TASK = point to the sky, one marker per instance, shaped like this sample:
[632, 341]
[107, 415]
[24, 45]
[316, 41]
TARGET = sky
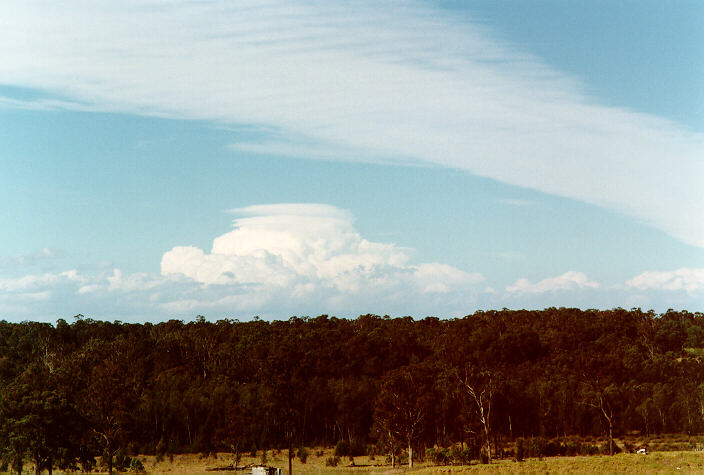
[165, 160]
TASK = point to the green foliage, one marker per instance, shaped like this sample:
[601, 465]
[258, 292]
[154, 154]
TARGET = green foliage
[438, 455]
[72, 391]
[332, 461]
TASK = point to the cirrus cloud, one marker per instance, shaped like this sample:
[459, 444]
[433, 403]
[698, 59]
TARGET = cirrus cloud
[394, 82]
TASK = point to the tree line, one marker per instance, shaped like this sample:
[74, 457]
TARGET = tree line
[71, 392]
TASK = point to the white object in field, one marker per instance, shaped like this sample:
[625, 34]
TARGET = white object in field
[264, 470]
[642, 452]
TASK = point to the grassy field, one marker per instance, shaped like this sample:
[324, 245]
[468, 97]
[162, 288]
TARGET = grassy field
[659, 462]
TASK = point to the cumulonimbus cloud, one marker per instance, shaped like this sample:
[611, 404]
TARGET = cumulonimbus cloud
[308, 249]
[398, 81]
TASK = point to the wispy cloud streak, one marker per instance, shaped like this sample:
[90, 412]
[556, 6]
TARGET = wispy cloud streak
[402, 82]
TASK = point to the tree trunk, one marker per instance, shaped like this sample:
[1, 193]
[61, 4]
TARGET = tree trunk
[290, 460]
[410, 456]
[611, 438]
[488, 441]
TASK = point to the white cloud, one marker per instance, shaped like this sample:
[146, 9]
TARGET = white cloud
[306, 250]
[30, 283]
[688, 280]
[279, 260]
[41, 256]
[569, 281]
[393, 82]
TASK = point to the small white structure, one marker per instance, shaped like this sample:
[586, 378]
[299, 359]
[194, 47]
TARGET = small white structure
[264, 470]
[642, 451]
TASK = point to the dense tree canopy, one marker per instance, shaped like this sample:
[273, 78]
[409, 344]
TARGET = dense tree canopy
[237, 386]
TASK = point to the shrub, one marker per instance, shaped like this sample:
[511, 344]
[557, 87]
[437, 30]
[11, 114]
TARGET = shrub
[264, 459]
[605, 448]
[319, 453]
[302, 454]
[460, 456]
[161, 447]
[554, 448]
[439, 456]
[572, 448]
[353, 448]
[357, 448]
[483, 457]
[136, 465]
[520, 449]
[536, 447]
[121, 462]
[332, 461]
[342, 448]
[588, 449]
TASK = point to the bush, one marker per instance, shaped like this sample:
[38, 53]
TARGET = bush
[520, 449]
[536, 447]
[460, 456]
[121, 462]
[439, 456]
[342, 448]
[136, 465]
[588, 449]
[572, 448]
[605, 448]
[332, 461]
[483, 457]
[161, 447]
[354, 448]
[554, 448]
[357, 448]
[302, 454]
[264, 458]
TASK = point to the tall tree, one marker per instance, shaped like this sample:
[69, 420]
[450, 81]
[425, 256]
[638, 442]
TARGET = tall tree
[404, 405]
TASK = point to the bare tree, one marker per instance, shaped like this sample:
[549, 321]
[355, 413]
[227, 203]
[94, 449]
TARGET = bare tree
[480, 388]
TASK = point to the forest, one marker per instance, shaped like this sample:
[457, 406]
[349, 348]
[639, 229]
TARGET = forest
[401, 387]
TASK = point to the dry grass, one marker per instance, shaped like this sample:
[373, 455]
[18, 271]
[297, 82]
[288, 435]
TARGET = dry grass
[659, 462]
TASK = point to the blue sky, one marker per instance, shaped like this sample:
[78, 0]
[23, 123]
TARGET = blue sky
[163, 161]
